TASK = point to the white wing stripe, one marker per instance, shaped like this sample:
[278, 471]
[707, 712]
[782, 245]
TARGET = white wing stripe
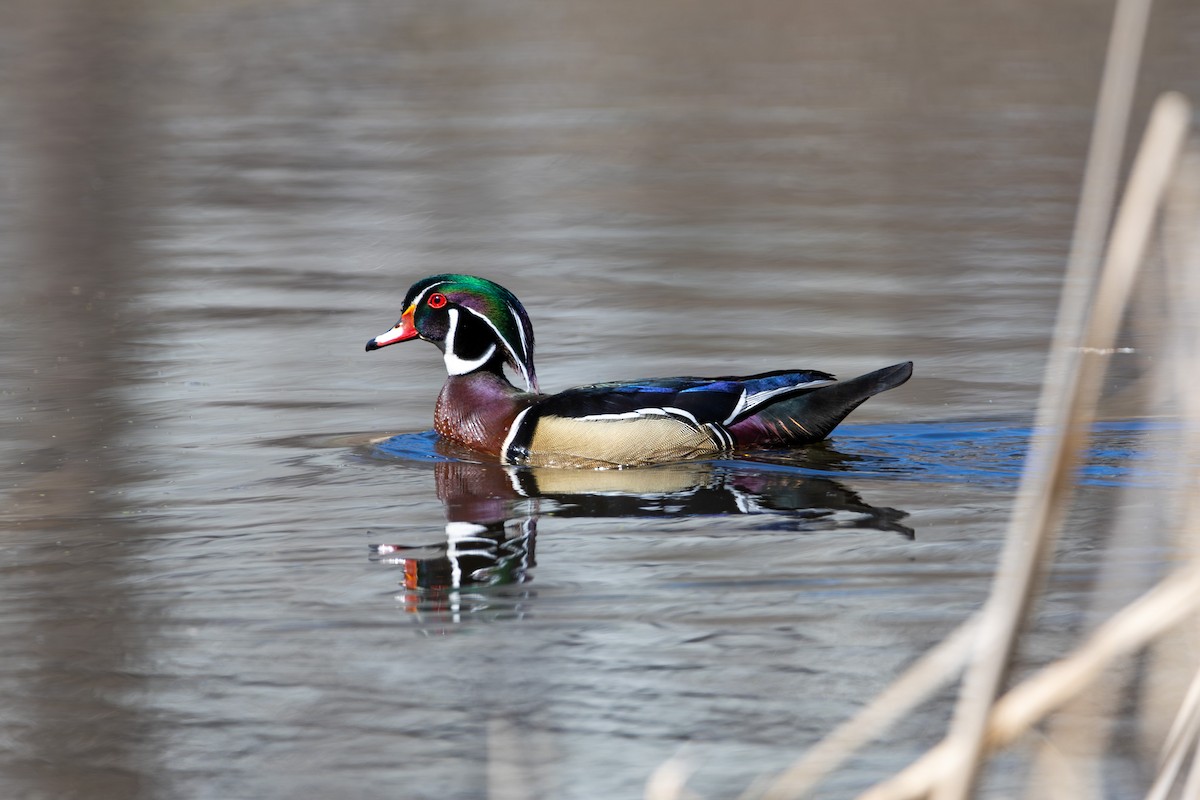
[749, 401]
[645, 412]
[685, 417]
[512, 434]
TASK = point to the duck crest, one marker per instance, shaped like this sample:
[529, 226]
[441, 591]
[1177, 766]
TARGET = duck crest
[481, 314]
[481, 327]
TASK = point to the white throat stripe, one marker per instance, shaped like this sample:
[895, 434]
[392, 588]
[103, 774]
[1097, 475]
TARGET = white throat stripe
[456, 365]
[519, 360]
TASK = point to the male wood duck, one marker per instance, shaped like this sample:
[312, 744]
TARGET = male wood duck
[480, 326]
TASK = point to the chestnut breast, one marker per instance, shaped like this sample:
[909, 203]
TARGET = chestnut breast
[477, 410]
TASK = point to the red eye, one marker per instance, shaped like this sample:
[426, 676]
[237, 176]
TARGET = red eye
[436, 300]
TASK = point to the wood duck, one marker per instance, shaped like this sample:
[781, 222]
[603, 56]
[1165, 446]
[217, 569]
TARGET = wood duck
[480, 327]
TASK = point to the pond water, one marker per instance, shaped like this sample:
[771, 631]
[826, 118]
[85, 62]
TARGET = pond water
[237, 564]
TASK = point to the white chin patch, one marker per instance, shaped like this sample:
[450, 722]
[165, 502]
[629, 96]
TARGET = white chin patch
[461, 366]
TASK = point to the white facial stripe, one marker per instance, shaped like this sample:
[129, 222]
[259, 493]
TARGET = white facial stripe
[524, 346]
[461, 366]
[517, 359]
[458, 366]
[394, 335]
[520, 329]
[417, 300]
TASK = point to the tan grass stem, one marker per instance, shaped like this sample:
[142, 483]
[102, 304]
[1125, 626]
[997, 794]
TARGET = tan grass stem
[933, 670]
[1048, 480]
[1166, 605]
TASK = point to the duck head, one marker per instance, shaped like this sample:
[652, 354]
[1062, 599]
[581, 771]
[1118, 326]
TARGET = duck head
[477, 324]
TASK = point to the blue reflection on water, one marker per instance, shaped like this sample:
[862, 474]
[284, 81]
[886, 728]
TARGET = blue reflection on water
[991, 452]
[963, 452]
[414, 447]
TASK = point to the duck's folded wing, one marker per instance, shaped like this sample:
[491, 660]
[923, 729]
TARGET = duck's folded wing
[721, 400]
[646, 421]
[810, 416]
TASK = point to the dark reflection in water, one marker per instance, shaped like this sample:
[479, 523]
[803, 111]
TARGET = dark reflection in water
[492, 510]
[492, 513]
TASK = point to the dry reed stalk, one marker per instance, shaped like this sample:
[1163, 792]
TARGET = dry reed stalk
[1047, 481]
[957, 759]
[1181, 742]
[1174, 659]
[1076, 738]
[1168, 317]
[931, 672]
[1073, 747]
[669, 781]
[1065, 415]
[1168, 604]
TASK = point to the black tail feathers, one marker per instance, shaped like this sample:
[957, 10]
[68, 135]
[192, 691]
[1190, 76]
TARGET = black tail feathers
[810, 417]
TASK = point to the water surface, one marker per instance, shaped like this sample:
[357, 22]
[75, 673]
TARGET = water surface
[207, 209]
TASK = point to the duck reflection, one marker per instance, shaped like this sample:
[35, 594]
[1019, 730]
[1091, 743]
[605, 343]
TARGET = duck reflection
[492, 513]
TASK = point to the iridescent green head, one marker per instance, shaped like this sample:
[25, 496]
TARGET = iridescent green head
[476, 323]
